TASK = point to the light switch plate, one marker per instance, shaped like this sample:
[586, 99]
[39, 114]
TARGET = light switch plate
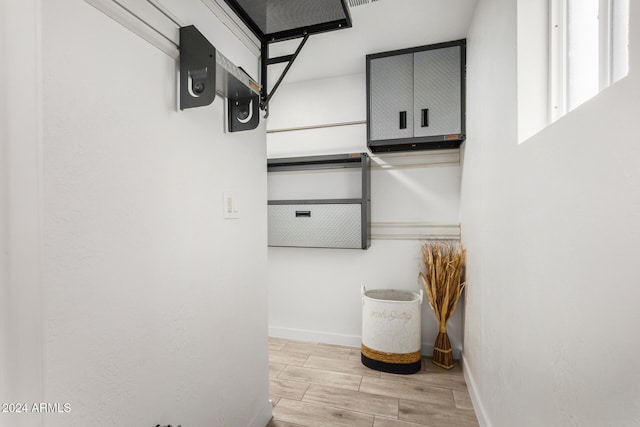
[230, 205]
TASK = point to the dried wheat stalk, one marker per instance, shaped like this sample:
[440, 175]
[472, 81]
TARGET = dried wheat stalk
[442, 282]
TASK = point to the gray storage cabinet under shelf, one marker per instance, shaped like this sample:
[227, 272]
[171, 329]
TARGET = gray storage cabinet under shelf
[415, 98]
[322, 223]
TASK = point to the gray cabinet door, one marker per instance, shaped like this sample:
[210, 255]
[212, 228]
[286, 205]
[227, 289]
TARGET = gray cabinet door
[391, 93]
[316, 226]
[437, 92]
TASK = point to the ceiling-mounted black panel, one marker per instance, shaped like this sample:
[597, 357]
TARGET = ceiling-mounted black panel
[277, 20]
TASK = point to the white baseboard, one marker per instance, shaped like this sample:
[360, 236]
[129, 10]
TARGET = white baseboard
[337, 339]
[263, 417]
[481, 413]
[315, 336]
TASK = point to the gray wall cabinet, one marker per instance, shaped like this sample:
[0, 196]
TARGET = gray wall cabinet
[321, 223]
[415, 98]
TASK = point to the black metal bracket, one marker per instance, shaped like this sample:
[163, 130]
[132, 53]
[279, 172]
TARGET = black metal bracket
[266, 61]
[243, 113]
[201, 76]
[197, 69]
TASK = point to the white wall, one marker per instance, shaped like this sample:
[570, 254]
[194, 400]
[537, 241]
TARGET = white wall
[4, 305]
[21, 218]
[533, 67]
[551, 231]
[149, 314]
[314, 294]
[316, 103]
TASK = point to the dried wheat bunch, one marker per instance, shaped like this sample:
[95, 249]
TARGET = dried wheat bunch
[442, 282]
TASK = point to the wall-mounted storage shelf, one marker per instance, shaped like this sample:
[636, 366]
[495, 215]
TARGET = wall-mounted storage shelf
[416, 98]
[341, 222]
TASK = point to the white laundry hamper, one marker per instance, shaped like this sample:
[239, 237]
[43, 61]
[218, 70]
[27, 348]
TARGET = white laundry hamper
[391, 330]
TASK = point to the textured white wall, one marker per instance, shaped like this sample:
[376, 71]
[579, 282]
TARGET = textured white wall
[314, 294]
[149, 314]
[551, 227]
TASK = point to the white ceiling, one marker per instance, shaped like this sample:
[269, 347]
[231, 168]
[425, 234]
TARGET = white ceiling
[377, 27]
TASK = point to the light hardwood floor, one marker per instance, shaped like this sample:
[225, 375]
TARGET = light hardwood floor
[313, 385]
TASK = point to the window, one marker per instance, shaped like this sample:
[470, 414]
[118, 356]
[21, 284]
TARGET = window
[588, 50]
[568, 51]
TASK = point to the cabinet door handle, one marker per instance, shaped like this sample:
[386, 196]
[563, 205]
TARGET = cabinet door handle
[425, 118]
[303, 214]
[403, 119]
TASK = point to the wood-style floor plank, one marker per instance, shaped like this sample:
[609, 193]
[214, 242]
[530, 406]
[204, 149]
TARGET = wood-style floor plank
[319, 376]
[408, 390]
[355, 354]
[289, 389]
[275, 369]
[345, 366]
[280, 423]
[438, 379]
[310, 415]
[462, 399]
[386, 422]
[275, 345]
[315, 349]
[352, 400]
[435, 415]
[287, 357]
